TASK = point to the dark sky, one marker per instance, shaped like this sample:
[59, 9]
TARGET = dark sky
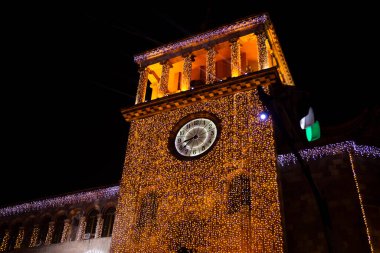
[69, 69]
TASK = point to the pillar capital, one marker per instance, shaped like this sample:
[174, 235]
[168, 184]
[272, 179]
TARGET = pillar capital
[166, 63]
[189, 56]
[233, 40]
[260, 29]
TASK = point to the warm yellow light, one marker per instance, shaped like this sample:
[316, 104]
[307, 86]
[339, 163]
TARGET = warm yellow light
[192, 196]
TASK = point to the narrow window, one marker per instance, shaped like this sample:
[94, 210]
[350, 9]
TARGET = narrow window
[109, 218]
[148, 210]
[91, 223]
[239, 193]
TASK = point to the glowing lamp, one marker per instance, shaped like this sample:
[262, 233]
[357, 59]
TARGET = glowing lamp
[313, 132]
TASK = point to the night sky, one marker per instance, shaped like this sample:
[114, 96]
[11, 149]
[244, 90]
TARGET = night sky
[69, 70]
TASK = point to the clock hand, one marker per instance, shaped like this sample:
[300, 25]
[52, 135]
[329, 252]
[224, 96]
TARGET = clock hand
[190, 138]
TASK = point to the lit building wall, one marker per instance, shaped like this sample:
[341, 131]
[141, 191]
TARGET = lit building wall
[347, 176]
[192, 196]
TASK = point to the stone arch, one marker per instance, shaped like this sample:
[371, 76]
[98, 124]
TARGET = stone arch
[93, 206]
[107, 205]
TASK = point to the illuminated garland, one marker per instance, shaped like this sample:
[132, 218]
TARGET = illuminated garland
[99, 226]
[66, 229]
[34, 237]
[327, 150]
[4, 243]
[82, 197]
[141, 88]
[235, 59]
[208, 36]
[164, 81]
[20, 238]
[81, 228]
[360, 200]
[210, 66]
[262, 50]
[186, 78]
[49, 235]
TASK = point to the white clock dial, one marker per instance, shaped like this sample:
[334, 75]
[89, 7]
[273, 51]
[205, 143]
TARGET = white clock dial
[195, 137]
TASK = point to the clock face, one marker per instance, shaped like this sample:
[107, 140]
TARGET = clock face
[195, 136]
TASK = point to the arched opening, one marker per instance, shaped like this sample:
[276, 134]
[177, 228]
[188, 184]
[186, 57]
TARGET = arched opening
[148, 210]
[28, 231]
[44, 228]
[109, 217]
[58, 231]
[239, 193]
[91, 223]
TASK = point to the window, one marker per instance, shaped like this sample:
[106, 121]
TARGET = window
[148, 210]
[28, 231]
[239, 193]
[58, 230]
[44, 227]
[109, 218]
[91, 223]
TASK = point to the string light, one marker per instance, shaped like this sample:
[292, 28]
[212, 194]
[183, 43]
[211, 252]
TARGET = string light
[262, 49]
[192, 195]
[141, 88]
[70, 199]
[164, 81]
[34, 237]
[210, 65]
[49, 235]
[20, 238]
[5, 242]
[208, 36]
[66, 229]
[328, 150]
[235, 58]
[360, 200]
[186, 78]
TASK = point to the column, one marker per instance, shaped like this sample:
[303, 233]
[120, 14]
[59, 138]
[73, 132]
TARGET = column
[164, 81]
[186, 77]
[66, 230]
[33, 239]
[4, 243]
[49, 235]
[262, 48]
[235, 58]
[99, 226]
[141, 88]
[20, 237]
[210, 65]
[81, 228]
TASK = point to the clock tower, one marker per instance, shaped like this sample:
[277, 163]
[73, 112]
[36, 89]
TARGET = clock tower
[200, 171]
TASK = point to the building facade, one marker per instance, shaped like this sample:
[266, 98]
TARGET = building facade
[204, 173]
